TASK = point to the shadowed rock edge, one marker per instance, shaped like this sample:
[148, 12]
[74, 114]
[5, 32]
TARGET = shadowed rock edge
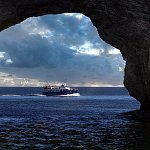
[123, 24]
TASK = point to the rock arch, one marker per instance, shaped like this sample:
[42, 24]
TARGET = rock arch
[123, 24]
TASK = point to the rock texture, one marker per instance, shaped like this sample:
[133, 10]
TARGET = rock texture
[125, 24]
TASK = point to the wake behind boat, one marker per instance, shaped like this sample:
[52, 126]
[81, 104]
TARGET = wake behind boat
[60, 91]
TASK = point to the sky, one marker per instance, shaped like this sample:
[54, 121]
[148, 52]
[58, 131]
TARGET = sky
[53, 49]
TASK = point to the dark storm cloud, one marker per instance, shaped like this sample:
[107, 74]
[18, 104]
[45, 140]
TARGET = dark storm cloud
[50, 45]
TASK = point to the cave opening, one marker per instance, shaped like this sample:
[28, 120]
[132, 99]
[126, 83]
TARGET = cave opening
[118, 24]
[125, 25]
[56, 49]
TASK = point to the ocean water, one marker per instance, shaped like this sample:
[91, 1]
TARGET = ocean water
[92, 121]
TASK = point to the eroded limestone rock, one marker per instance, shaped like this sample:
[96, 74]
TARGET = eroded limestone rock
[125, 24]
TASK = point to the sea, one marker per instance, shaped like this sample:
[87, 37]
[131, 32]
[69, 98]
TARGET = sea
[94, 120]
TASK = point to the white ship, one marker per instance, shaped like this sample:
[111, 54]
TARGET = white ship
[60, 91]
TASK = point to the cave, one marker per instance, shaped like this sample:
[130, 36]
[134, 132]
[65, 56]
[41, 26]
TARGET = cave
[123, 24]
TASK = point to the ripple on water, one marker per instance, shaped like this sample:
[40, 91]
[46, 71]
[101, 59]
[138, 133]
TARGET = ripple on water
[77, 124]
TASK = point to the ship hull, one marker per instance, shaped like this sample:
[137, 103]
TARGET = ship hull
[58, 93]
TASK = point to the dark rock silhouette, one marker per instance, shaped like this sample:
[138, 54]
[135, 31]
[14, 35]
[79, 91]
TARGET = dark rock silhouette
[123, 24]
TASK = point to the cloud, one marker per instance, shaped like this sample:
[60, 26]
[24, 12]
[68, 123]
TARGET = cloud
[60, 48]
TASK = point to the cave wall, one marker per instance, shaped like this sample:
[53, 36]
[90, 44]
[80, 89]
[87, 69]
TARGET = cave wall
[125, 24]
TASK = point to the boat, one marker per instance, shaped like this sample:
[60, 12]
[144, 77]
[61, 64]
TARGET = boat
[60, 91]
